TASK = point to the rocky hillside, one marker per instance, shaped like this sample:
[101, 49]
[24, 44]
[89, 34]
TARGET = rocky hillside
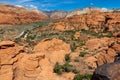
[16, 15]
[95, 21]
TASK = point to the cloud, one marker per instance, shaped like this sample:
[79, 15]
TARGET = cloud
[23, 1]
[46, 6]
[31, 6]
[19, 5]
[91, 3]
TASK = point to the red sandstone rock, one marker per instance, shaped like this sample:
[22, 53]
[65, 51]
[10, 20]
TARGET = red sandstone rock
[18, 65]
[102, 51]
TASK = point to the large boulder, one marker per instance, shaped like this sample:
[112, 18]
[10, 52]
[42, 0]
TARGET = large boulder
[109, 71]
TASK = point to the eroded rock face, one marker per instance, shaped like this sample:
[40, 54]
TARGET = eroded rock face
[8, 56]
[56, 49]
[5, 44]
[16, 15]
[95, 44]
[109, 71]
[102, 51]
[16, 64]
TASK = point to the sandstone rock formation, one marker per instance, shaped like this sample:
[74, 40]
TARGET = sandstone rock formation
[95, 21]
[16, 15]
[8, 56]
[16, 64]
[102, 51]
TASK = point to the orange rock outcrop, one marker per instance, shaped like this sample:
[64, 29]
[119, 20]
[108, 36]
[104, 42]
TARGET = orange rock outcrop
[16, 64]
[102, 51]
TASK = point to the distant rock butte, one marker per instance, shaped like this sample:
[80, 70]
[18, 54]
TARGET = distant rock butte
[16, 15]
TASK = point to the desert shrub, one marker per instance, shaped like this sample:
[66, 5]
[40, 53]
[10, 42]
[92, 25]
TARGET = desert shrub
[31, 37]
[58, 68]
[67, 67]
[76, 60]
[83, 77]
[82, 54]
[73, 47]
[75, 71]
[105, 29]
[85, 48]
[69, 32]
[67, 57]
[110, 34]
[100, 35]
[82, 43]
[2, 31]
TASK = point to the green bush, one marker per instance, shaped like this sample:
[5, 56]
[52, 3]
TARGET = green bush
[83, 77]
[58, 68]
[67, 67]
[82, 54]
[73, 47]
[110, 34]
[75, 71]
[76, 60]
[100, 35]
[67, 57]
